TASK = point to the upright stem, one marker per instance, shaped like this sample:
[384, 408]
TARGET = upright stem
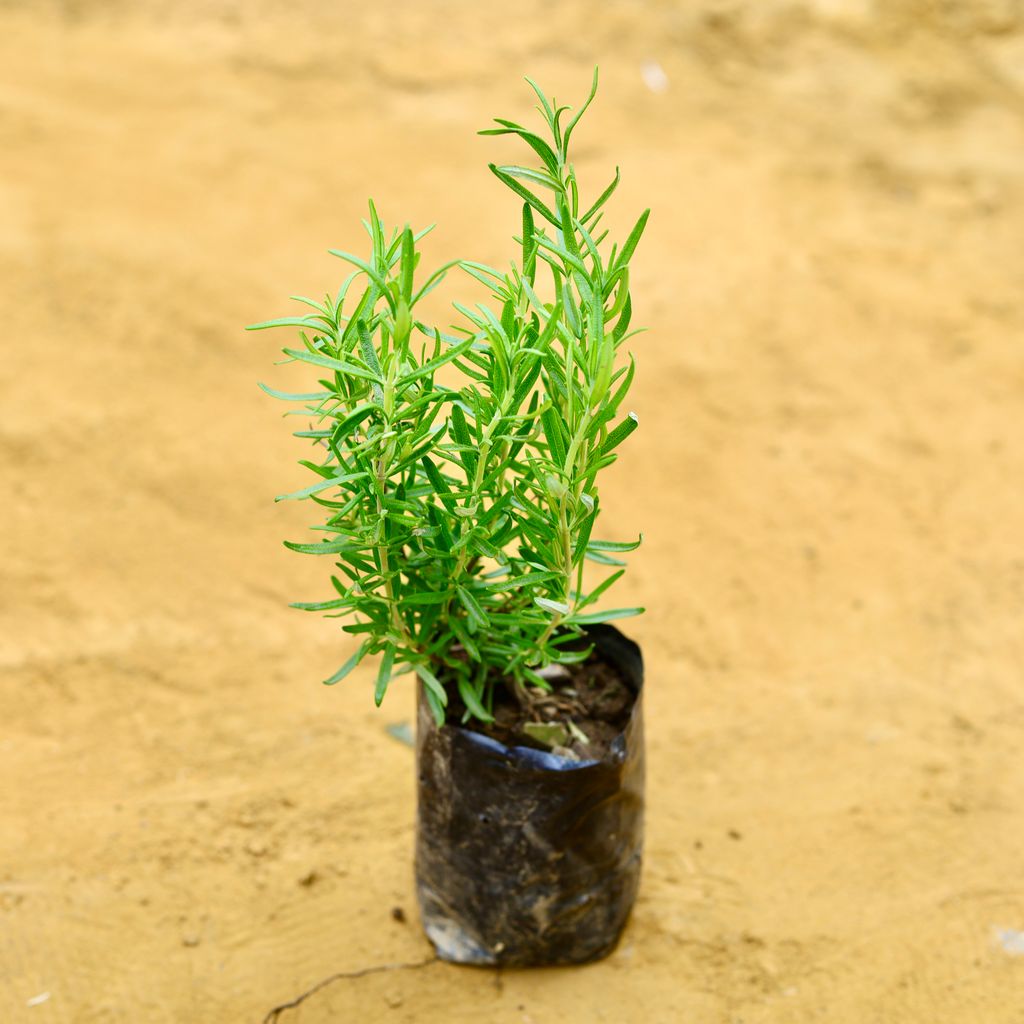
[380, 470]
[563, 522]
[478, 478]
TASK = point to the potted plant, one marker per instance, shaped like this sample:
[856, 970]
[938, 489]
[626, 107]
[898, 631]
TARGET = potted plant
[457, 472]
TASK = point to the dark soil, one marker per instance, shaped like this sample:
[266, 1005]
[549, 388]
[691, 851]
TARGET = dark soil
[593, 696]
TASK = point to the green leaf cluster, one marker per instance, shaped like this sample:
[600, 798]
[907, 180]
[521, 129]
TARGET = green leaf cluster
[458, 471]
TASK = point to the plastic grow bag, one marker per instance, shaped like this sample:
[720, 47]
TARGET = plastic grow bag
[523, 857]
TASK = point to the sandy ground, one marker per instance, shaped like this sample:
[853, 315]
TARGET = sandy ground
[829, 475]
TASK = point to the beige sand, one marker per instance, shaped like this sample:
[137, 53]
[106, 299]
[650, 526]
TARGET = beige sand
[830, 477]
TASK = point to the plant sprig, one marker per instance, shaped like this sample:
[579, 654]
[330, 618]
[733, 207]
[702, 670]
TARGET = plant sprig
[459, 518]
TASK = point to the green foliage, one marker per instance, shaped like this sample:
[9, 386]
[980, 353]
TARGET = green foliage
[459, 517]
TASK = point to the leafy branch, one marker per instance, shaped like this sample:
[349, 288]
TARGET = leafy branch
[460, 517]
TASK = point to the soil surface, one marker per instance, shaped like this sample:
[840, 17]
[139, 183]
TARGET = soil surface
[586, 707]
[829, 476]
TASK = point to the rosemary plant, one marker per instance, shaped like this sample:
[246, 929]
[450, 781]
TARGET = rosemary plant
[459, 517]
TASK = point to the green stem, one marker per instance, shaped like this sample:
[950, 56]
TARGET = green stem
[478, 478]
[380, 470]
[563, 522]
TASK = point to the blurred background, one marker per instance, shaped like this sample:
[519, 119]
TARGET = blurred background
[828, 475]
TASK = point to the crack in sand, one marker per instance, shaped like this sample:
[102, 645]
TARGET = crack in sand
[274, 1015]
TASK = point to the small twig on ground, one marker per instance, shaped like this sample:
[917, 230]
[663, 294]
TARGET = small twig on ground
[275, 1013]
